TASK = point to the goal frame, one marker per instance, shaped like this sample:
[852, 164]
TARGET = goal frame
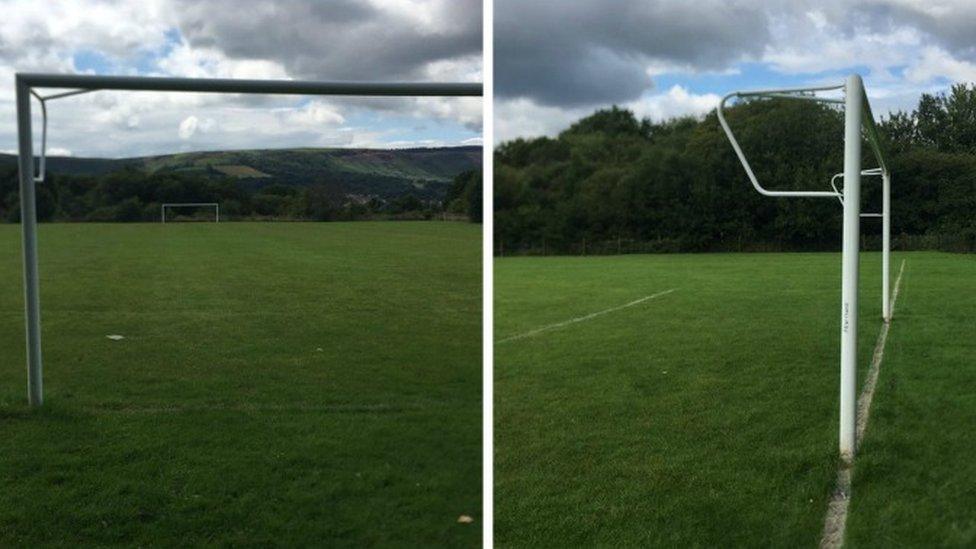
[857, 116]
[171, 205]
[26, 85]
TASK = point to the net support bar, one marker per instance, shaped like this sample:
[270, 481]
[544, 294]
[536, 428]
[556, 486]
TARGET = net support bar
[885, 216]
[857, 117]
[43, 99]
[790, 93]
[26, 83]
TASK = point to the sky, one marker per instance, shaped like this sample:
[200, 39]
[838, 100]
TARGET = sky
[556, 61]
[336, 40]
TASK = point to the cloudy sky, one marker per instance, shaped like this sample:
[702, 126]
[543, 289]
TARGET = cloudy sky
[362, 40]
[557, 60]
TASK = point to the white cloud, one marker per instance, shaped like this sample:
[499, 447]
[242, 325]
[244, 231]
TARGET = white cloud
[525, 118]
[314, 114]
[185, 60]
[936, 63]
[818, 19]
[802, 46]
[115, 28]
[423, 14]
[461, 69]
[138, 38]
[903, 48]
[677, 101]
[188, 127]
[464, 110]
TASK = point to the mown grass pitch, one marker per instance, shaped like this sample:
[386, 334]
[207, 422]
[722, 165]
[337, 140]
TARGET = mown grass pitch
[708, 416]
[290, 383]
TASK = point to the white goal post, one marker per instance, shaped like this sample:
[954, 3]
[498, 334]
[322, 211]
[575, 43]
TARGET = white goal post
[171, 205]
[27, 84]
[857, 117]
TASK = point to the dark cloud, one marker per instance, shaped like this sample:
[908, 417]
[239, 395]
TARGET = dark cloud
[335, 39]
[569, 53]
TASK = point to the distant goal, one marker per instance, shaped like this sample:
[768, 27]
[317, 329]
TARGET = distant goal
[188, 205]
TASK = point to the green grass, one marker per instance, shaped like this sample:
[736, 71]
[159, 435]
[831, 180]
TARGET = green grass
[708, 417]
[298, 384]
[915, 480]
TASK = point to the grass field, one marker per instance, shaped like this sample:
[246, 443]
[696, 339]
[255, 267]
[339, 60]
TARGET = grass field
[708, 416]
[302, 384]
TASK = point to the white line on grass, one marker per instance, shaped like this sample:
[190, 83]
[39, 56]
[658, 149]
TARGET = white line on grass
[546, 328]
[836, 519]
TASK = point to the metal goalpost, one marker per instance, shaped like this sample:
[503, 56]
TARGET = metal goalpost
[26, 85]
[857, 116]
[171, 205]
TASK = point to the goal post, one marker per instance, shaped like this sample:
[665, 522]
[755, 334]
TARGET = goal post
[857, 118]
[172, 205]
[26, 86]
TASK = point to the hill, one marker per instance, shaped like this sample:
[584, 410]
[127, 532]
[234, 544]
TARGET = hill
[277, 184]
[384, 173]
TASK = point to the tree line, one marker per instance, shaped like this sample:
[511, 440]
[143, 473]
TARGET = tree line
[133, 195]
[612, 183]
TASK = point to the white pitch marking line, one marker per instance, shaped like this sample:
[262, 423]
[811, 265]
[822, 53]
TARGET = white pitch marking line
[836, 519]
[546, 328]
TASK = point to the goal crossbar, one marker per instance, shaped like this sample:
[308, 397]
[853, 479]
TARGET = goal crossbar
[858, 123]
[27, 84]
